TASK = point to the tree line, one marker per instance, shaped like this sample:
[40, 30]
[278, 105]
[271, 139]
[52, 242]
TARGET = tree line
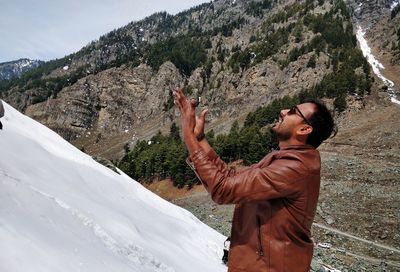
[164, 156]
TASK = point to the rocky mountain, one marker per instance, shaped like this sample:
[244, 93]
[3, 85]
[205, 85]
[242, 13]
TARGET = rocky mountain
[235, 55]
[380, 20]
[12, 69]
[238, 56]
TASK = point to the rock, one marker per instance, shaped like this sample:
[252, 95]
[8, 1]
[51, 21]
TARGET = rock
[383, 87]
[329, 220]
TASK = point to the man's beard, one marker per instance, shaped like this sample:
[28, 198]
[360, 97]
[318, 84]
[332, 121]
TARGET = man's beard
[281, 135]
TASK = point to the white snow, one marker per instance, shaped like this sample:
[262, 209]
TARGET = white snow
[61, 211]
[394, 4]
[25, 63]
[359, 7]
[376, 65]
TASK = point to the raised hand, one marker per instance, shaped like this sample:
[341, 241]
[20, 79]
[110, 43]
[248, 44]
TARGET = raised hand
[187, 110]
[200, 123]
[192, 125]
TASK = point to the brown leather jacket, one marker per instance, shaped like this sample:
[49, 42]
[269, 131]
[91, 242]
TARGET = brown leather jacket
[275, 202]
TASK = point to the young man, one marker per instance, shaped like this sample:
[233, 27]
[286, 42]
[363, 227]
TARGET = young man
[276, 198]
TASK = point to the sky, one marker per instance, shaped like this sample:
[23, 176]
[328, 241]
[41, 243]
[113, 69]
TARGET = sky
[49, 29]
[62, 211]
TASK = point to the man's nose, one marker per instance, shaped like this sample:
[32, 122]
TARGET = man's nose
[284, 112]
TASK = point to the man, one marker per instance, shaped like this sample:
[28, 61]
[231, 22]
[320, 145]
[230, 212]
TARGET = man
[1, 113]
[276, 198]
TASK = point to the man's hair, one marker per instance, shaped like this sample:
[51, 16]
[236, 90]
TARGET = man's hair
[322, 122]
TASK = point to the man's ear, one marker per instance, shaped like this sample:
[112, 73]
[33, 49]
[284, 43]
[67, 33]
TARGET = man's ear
[305, 130]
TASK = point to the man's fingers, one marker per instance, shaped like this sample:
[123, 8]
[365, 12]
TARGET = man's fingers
[203, 114]
[194, 102]
[182, 102]
[176, 99]
[179, 93]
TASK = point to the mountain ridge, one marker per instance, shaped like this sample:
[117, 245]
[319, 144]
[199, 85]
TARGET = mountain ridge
[236, 56]
[14, 69]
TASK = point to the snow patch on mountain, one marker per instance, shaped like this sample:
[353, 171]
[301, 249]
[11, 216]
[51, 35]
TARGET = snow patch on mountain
[16, 68]
[376, 65]
[394, 4]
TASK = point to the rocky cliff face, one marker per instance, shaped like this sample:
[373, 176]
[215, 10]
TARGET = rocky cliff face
[381, 20]
[15, 68]
[115, 102]
[128, 103]
[107, 99]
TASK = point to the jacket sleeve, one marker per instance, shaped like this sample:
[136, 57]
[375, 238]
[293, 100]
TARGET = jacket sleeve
[282, 178]
[222, 166]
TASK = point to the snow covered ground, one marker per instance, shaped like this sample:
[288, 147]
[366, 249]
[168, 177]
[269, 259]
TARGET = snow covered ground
[376, 65]
[61, 211]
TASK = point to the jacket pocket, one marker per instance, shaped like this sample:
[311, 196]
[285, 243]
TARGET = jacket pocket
[259, 237]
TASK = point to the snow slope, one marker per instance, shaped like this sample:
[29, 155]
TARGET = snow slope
[62, 211]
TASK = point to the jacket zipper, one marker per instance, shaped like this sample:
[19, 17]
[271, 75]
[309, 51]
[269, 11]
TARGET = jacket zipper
[260, 248]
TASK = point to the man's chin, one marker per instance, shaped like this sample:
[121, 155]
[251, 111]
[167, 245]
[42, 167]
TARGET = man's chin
[274, 128]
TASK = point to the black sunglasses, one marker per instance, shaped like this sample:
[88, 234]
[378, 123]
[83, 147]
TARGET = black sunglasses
[294, 110]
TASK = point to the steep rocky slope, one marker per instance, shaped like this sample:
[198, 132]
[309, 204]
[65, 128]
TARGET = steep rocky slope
[117, 102]
[117, 89]
[380, 21]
